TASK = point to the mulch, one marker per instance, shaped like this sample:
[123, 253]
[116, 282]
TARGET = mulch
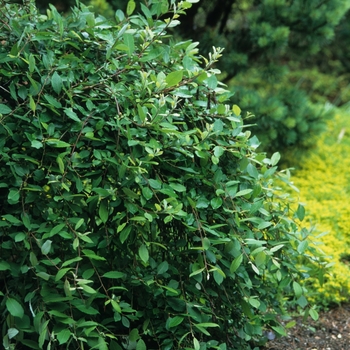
[330, 332]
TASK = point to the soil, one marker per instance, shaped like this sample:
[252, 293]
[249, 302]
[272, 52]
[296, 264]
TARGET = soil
[330, 332]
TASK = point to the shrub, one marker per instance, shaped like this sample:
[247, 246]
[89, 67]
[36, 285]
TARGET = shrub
[136, 211]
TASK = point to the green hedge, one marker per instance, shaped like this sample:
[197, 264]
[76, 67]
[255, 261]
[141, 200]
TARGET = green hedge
[136, 212]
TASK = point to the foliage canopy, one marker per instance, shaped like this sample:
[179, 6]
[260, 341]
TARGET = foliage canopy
[136, 211]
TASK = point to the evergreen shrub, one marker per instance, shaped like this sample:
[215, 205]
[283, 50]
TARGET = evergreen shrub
[135, 209]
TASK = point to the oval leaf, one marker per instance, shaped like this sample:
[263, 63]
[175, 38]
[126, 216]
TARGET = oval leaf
[143, 253]
[14, 307]
[174, 78]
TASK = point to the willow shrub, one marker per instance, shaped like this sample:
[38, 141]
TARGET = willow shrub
[136, 211]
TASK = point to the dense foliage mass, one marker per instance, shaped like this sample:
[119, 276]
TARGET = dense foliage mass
[136, 211]
[283, 60]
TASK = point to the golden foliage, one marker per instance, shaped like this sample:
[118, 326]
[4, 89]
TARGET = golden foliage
[323, 178]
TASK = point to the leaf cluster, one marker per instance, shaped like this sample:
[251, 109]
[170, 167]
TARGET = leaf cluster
[136, 211]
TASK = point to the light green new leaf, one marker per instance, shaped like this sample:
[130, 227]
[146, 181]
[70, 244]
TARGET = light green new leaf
[130, 7]
[275, 158]
[46, 247]
[196, 344]
[174, 78]
[236, 110]
[12, 332]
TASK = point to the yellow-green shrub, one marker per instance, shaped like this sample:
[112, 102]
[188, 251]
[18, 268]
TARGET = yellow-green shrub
[324, 183]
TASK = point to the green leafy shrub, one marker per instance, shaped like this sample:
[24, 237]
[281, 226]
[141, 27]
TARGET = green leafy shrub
[136, 212]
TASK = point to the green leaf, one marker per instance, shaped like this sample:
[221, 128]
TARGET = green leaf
[130, 43]
[14, 308]
[236, 110]
[13, 196]
[302, 246]
[300, 213]
[298, 291]
[141, 112]
[275, 158]
[4, 266]
[92, 255]
[218, 151]
[130, 7]
[216, 203]
[88, 310]
[71, 261]
[143, 253]
[116, 306]
[218, 277]
[175, 321]
[314, 314]
[103, 211]
[45, 276]
[177, 187]
[147, 193]
[243, 192]
[207, 325]
[63, 336]
[174, 78]
[155, 184]
[254, 302]
[125, 234]
[280, 330]
[46, 247]
[12, 219]
[162, 267]
[56, 82]
[12, 332]
[196, 344]
[57, 143]
[36, 144]
[61, 273]
[134, 335]
[31, 61]
[141, 345]
[71, 114]
[212, 82]
[264, 225]
[236, 263]
[114, 274]
[4, 109]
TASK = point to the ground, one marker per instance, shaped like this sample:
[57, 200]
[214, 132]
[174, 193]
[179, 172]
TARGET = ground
[330, 332]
